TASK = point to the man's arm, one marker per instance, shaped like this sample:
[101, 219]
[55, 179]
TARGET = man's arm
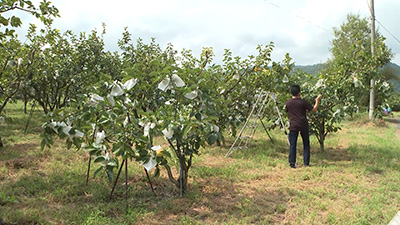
[314, 109]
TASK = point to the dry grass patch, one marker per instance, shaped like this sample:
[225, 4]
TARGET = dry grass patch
[352, 182]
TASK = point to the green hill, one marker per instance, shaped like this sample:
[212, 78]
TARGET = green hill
[311, 69]
[391, 72]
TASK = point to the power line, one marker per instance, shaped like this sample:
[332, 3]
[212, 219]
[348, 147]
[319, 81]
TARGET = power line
[388, 31]
[369, 6]
[300, 17]
[324, 29]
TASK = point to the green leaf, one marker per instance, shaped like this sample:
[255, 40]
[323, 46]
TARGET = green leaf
[3, 21]
[103, 120]
[112, 163]
[110, 173]
[186, 129]
[117, 150]
[97, 171]
[15, 21]
[92, 150]
[197, 145]
[166, 153]
[198, 116]
[49, 140]
[156, 172]
[99, 159]
[77, 142]
[42, 144]
[69, 144]
[212, 138]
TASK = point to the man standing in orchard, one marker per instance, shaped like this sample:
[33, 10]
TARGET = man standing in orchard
[297, 110]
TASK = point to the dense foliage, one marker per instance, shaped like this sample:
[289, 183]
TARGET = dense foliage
[113, 105]
[160, 92]
[344, 83]
[8, 21]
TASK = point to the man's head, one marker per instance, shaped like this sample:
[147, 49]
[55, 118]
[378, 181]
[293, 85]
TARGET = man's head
[295, 90]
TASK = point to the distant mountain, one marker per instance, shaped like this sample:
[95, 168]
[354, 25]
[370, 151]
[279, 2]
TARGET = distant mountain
[391, 72]
[313, 69]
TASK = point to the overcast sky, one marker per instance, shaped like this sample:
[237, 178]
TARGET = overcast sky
[302, 28]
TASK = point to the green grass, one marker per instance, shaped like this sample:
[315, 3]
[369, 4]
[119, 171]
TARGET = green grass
[354, 181]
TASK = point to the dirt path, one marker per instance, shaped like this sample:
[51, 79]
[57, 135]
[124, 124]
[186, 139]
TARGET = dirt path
[395, 122]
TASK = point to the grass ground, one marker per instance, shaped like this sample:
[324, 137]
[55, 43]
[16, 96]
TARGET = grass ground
[356, 180]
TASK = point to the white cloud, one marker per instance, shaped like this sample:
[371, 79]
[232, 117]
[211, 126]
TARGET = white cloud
[300, 27]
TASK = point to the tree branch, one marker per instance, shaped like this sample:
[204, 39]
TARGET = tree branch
[19, 8]
[170, 176]
[173, 148]
[237, 83]
[190, 161]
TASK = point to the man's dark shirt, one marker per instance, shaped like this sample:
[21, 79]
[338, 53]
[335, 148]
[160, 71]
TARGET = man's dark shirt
[297, 109]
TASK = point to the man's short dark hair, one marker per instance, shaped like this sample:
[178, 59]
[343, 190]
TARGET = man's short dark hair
[295, 89]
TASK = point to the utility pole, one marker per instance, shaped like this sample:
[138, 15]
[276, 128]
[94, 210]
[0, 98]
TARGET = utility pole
[372, 91]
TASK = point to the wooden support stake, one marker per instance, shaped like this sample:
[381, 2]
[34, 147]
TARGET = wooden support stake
[116, 179]
[148, 178]
[262, 123]
[88, 170]
[126, 186]
[180, 178]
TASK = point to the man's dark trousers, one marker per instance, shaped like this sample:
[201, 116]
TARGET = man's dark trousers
[306, 145]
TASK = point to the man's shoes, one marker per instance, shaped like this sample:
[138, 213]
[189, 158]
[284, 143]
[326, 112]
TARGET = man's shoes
[294, 166]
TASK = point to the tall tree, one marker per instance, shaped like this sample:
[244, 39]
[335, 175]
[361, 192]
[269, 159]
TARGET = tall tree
[351, 51]
[14, 57]
[45, 12]
[69, 66]
[14, 60]
[344, 83]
